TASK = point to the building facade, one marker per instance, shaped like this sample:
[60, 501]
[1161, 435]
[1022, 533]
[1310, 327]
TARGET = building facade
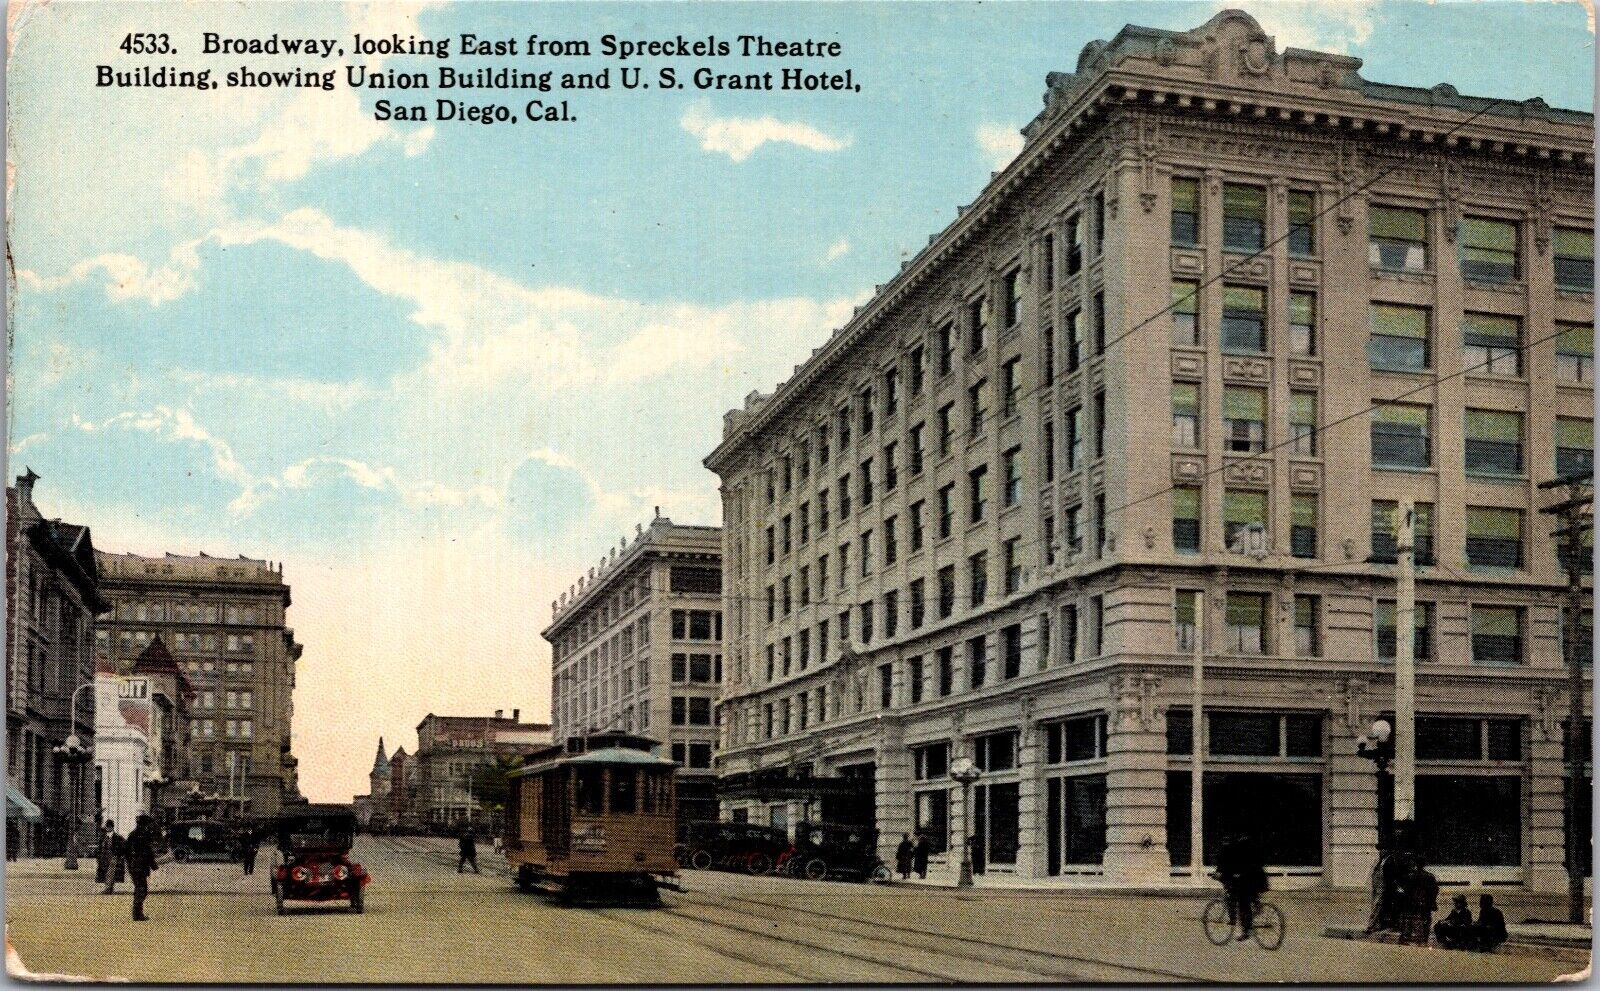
[141, 737]
[224, 620]
[451, 752]
[52, 600]
[372, 809]
[636, 645]
[1226, 309]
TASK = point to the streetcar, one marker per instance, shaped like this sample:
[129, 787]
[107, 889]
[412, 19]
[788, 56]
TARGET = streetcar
[594, 819]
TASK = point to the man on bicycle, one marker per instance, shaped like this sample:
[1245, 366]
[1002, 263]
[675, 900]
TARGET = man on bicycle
[1243, 872]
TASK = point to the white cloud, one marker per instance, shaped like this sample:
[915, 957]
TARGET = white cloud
[999, 143]
[739, 137]
[1337, 26]
[837, 250]
[128, 277]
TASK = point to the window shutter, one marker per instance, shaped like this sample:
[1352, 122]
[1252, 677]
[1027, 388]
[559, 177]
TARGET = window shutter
[1303, 407]
[1399, 321]
[1242, 298]
[1491, 235]
[1494, 425]
[1186, 195]
[1185, 297]
[1574, 243]
[1244, 404]
[1302, 207]
[1397, 223]
[1244, 507]
[1400, 414]
[1185, 399]
[1303, 510]
[1486, 330]
[1245, 610]
[1185, 503]
[1571, 432]
[1244, 201]
[1302, 308]
[1494, 524]
[1576, 338]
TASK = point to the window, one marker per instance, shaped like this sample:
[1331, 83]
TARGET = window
[1099, 317]
[891, 540]
[1186, 314]
[1074, 446]
[844, 497]
[1185, 213]
[1303, 323]
[1488, 250]
[1013, 564]
[1012, 464]
[1246, 615]
[1099, 425]
[1099, 221]
[918, 362]
[1049, 452]
[1186, 519]
[805, 523]
[1385, 527]
[844, 565]
[1074, 342]
[1012, 283]
[1097, 625]
[916, 511]
[1184, 602]
[915, 461]
[1303, 525]
[977, 494]
[1491, 345]
[919, 604]
[947, 511]
[865, 477]
[1303, 423]
[866, 553]
[788, 534]
[947, 670]
[947, 591]
[805, 585]
[946, 424]
[1074, 244]
[1010, 388]
[977, 407]
[822, 445]
[1574, 446]
[978, 576]
[977, 664]
[1011, 651]
[1244, 215]
[931, 761]
[1397, 238]
[1494, 442]
[1400, 436]
[978, 323]
[1496, 635]
[1242, 511]
[885, 686]
[1399, 338]
[1575, 352]
[1100, 524]
[947, 348]
[1585, 642]
[1244, 319]
[865, 613]
[1244, 419]
[1302, 223]
[1047, 262]
[1071, 536]
[1574, 251]
[822, 574]
[891, 391]
[1069, 634]
[1047, 355]
[1494, 537]
[1307, 628]
[867, 411]
[914, 678]
[1383, 620]
[1185, 415]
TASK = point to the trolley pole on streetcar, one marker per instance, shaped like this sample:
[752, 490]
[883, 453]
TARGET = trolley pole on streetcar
[1575, 516]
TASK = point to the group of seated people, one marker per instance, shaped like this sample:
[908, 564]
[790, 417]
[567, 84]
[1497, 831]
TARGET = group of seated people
[1459, 931]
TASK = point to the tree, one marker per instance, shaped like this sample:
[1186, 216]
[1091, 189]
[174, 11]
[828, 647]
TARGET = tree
[491, 785]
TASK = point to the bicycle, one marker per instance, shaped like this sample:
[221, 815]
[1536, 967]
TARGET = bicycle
[1268, 928]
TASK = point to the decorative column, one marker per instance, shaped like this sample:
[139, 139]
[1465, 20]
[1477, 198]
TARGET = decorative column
[891, 787]
[1030, 797]
[1352, 796]
[1136, 784]
[1546, 831]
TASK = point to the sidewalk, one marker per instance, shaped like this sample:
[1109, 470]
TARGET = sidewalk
[1559, 940]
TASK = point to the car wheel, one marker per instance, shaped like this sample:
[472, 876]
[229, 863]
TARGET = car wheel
[881, 874]
[816, 869]
[525, 878]
[700, 860]
[181, 855]
[759, 863]
[357, 902]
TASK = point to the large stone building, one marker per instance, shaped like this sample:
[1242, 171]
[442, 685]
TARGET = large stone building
[636, 645]
[451, 751]
[224, 621]
[52, 599]
[1226, 308]
[141, 753]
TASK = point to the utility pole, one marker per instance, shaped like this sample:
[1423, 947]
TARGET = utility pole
[1575, 518]
[1196, 741]
[1405, 673]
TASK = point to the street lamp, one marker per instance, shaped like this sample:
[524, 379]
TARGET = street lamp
[1380, 749]
[965, 772]
[74, 754]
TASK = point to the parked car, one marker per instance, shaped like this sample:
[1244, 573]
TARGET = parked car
[741, 846]
[831, 850]
[202, 839]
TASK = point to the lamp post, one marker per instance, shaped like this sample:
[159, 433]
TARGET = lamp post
[74, 755]
[965, 772]
[1380, 749]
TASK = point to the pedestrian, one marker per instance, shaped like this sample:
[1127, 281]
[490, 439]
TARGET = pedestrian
[249, 846]
[1490, 929]
[1455, 931]
[1418, 901]
[903, 855]
[140, 854]
[468, 847]
[919, 856]
[117, 865]
[103, 853]
[1243, 873]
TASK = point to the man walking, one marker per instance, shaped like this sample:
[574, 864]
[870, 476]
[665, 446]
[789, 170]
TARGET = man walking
[247, 852]
[103, 853]
[141, 857]
[919, 856]
[469, 851]
[116, 860]
[903, 855]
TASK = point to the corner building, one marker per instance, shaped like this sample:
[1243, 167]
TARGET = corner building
[1139, 373]
[636, 645]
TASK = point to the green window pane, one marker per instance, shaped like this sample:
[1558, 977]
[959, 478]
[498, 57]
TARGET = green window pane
[1496, 524]
[1244, 201]
[1244, 404]
[1302, 207]
[1243, 298]
[1245, 610]
[1494, 621]
[1303, 510]
[1185, 399]
[1402, 414]
[1183, 607]
[1575, 338]
[1422, 519]
[1186, 195]
[1483, 328]
[1397, 223]
[1493, 235]
[1185, 503]
[1303, 407]
[1302, 308]
[1185, 297]
[1244, 507]
[1305, 610]
[1573, 243]
[1399, 321]
[1571, 432]
[1483, 424]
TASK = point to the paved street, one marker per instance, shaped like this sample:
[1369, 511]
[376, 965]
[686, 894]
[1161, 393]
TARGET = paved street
[426, 923]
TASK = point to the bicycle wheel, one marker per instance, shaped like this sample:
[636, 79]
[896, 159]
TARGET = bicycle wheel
[1269, 927]
[1215, 919]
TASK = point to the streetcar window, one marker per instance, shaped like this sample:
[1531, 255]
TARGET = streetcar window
[589, 790]
[624, 790]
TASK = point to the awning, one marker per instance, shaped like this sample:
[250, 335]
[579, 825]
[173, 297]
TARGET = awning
[19, 807]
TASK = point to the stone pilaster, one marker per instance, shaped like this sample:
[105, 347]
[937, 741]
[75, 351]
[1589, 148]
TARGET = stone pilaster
[1030, 796]
[1136, 786]
[1352, 814]
[892, 789]
[1546, 831]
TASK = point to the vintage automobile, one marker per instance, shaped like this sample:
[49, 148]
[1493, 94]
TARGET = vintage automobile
[735, 846]
[829, 850]
[314, 857]
[202, 839]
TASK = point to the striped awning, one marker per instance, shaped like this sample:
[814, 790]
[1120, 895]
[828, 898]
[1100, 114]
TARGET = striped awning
[19, 807]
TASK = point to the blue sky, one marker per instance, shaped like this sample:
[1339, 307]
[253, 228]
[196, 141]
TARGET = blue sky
[437, 370]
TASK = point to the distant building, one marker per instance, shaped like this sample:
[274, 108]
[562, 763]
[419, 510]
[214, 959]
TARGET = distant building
[450, 751]
[224, 622]
[636, 645]
[141, 736]
[52, 599]
[402, 776]
[372, 809]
